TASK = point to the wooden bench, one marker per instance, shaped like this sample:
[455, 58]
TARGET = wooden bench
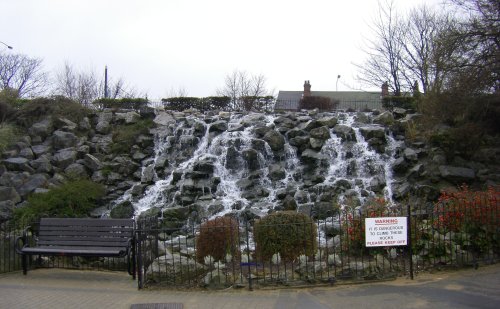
[79, 237]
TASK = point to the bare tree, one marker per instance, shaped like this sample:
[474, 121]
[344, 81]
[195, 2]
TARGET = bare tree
[477, 44]
[423, 59]
[80, 86]
[384, 61]
[22, 74]
[177, 93]
[85, 87]
[240, 84]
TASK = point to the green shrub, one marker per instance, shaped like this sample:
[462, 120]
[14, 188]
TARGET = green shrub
[390, 102]
[218, 238]
[8, 110]
[288, 233]
[202, 104]
[33, 110]
[8, 135]
[322, 103]
[126, 134]
[73, 199]
[127, 103]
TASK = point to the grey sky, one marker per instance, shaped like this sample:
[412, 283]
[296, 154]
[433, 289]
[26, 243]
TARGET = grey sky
[160, 45]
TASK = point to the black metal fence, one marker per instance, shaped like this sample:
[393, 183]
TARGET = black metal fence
[438, 236]
[452, 233]
[357, 105]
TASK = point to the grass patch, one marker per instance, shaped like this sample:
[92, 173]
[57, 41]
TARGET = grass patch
[127, 134]
[8, 135]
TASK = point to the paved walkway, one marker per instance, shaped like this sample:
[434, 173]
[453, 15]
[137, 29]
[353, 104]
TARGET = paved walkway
[59, 288]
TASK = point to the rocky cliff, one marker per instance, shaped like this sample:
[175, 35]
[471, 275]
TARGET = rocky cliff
[193, 166]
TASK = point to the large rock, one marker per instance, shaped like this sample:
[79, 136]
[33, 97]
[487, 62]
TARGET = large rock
[76, 171]
[39, 150]
[128, 117]
[328, 121]
[321, 133]
[27, 153]
[385, 119]
[42, 164]
[400, 166]
[64, 158]
[62, 140]
[34, 182]
[410, 155]
[181, 269]
[9, 194]
[276, 172]
[84, 124]
[301, 142]
[104, 123]
[92, 162]
[373, 132]
[41, 129]
[285, 122]
[148, 174]
[289, 203]
[275, 140]
[251, 157]
[316, 144]
[218, 126]
[455, 174]
[164, 118]
[18, 164]
[311, 156]
[377, 184]
[102, 144]
[6, 209]
[123, 210]
[65, 124]
[346, 133]
[124, 165]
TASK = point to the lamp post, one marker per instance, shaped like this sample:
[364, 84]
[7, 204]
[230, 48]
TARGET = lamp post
[8, 46]
[337, 83]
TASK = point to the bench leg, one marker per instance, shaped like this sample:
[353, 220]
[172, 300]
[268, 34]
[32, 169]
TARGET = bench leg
[24, 262]
[134, 265]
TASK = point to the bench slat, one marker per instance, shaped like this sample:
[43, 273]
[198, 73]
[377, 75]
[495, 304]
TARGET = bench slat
[76, 251]
[128, 230]
[112, 234]
[86, 222]
[80, 242]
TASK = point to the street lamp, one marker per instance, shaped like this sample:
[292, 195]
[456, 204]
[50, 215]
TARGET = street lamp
[8, 46]
[337, 83]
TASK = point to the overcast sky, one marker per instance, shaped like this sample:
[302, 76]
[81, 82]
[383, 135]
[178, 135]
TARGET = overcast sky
[162, 45]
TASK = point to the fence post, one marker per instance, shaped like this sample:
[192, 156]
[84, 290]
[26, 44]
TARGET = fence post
[140, 276]
[248, 258]
[410, 250]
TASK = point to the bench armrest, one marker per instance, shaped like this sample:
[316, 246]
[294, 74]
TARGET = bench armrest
[22, 241]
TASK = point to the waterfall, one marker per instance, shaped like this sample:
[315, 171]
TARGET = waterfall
[223, 164]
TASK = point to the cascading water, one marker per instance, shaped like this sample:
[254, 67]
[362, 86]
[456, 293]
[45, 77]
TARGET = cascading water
[237, 163]
[355, 164]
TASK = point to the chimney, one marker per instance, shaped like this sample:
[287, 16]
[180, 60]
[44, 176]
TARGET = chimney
[307, 89]
[385, 89]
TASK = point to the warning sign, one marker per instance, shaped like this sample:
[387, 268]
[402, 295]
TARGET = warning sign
[388, 231]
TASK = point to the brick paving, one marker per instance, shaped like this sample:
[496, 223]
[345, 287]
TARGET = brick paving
[60, 288]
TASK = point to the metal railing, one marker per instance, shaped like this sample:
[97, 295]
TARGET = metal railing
[171, 257]
[447, 234]
[364, 105]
